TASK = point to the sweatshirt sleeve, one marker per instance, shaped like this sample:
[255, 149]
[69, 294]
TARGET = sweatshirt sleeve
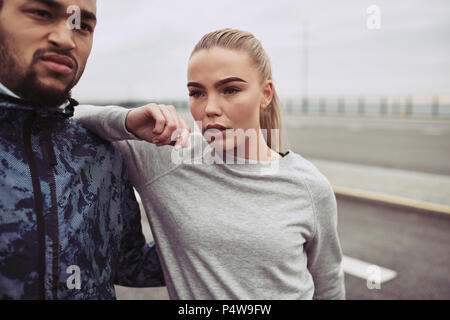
[107, 122]
[324, 251]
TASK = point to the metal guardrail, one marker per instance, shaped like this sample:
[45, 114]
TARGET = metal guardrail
[408, 106]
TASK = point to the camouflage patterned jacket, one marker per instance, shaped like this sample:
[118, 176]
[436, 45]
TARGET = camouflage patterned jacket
[69, 221]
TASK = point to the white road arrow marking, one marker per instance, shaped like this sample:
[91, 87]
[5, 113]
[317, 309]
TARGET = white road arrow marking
[361, 269]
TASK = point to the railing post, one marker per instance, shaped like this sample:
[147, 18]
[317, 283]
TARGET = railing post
[361, 105]
[395, 106]
[289, 106]
[435, 106]
[305, 103]
[322, 106]
[409, 106]
[341, 105]
[383, 106]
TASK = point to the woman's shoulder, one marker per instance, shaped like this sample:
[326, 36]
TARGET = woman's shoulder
[304, 170]
[319, 187]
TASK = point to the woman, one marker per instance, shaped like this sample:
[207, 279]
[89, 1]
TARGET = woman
[241, 230]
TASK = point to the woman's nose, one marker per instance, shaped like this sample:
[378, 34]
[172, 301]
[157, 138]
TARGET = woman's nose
[213, 108]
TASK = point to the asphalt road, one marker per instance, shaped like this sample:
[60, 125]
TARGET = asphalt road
[402, 144]
[414, 244]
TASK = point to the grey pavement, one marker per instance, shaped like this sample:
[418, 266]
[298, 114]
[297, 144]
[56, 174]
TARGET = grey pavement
[412, 243]
[426, 187]
[407, 144]
[396, 157]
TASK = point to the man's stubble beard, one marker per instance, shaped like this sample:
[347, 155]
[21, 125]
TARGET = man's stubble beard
[25, 82]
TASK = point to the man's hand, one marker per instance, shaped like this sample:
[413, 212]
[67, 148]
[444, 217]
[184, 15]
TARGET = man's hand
[159, 124]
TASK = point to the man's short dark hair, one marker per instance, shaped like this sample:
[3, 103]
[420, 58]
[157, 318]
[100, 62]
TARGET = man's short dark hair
[1, 4]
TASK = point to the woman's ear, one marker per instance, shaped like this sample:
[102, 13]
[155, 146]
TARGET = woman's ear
[267, 94]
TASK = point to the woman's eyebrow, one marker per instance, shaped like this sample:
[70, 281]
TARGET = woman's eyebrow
[218, 83]
[195, 84]
[225, 81]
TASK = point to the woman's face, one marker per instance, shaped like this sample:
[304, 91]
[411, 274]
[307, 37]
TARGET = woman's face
[226, 93]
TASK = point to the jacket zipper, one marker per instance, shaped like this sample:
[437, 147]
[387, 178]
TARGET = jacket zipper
[38, 205]
[51, 162]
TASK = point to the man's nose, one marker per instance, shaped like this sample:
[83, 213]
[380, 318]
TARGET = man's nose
[61, 37]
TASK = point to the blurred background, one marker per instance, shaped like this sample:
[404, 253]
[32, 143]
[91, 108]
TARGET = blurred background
[365, 87]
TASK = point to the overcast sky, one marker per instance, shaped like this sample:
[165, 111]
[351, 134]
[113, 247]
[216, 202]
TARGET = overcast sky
[141, 47]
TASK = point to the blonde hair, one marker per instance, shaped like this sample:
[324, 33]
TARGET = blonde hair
[233, 39]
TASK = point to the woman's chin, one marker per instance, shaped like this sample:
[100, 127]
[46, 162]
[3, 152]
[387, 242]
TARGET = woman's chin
[219, 146]
[228, 148]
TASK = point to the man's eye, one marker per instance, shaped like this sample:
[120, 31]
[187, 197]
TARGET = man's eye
[41, 14]
[86, 27]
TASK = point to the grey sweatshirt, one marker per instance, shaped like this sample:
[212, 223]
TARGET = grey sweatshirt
[232, 231]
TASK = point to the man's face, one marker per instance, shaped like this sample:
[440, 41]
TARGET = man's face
[41, 57]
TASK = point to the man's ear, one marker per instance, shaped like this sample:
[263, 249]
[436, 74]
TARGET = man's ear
[267, 94]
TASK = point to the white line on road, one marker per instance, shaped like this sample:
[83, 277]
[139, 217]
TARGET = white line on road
[362, 269]
[434, 131]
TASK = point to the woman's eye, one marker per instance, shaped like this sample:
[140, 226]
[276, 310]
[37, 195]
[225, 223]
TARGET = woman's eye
[195, 94]
[231, 90]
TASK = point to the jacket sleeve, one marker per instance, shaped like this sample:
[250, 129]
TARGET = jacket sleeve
[324, 253]
[138, 261]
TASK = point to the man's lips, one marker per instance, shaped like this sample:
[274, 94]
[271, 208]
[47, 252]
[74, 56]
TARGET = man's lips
[58, 63]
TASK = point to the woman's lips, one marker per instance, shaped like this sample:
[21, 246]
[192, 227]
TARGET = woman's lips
[59, 64]
[216, 131]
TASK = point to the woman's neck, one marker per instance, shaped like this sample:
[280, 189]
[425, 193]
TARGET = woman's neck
[258, 151]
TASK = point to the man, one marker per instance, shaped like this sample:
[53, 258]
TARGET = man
[69, 221]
